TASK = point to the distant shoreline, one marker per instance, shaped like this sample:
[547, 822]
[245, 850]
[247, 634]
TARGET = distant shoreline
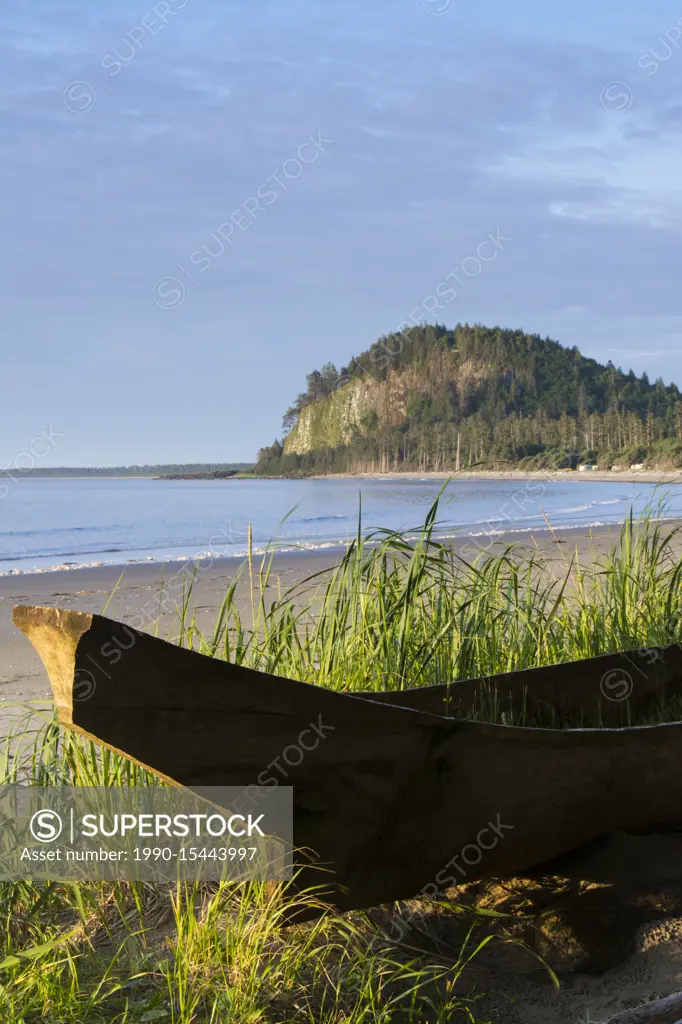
[672, 476]
[134, 472]
[649, 476]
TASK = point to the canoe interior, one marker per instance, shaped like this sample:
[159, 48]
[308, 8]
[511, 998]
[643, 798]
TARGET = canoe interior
[612, 690]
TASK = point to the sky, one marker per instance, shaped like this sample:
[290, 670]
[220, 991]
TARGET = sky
[203, 200]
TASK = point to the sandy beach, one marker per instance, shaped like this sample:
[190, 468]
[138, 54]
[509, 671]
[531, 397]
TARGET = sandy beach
[650, 476]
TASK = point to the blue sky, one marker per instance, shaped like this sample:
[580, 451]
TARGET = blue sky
[133, 136]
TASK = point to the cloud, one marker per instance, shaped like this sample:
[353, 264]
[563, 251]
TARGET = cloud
[442, 131]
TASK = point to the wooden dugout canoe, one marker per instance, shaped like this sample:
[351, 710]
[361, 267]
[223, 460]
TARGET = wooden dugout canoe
[388, 787]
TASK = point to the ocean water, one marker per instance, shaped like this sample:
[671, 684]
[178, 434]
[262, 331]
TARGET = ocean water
[64, 523]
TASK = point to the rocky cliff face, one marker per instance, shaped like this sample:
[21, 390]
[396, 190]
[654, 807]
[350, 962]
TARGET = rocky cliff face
[364, 404]
[355, 407]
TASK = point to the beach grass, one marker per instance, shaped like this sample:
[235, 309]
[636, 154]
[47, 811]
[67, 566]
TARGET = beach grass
[401, 611]
[396, 612]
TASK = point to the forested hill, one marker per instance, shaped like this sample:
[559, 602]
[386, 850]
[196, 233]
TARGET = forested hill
[439, 399]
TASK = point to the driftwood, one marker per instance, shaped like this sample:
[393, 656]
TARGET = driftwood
[662, 1011]
[392, 795]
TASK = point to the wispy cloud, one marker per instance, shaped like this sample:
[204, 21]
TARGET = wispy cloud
[443, 126]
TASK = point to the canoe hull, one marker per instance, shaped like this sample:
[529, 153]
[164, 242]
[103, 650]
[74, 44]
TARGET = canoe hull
[386, 797]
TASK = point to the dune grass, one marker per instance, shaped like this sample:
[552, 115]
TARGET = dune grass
[394, 613]
[398, 613]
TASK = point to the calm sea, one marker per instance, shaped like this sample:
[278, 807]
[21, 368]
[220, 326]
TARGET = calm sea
[57, 523]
